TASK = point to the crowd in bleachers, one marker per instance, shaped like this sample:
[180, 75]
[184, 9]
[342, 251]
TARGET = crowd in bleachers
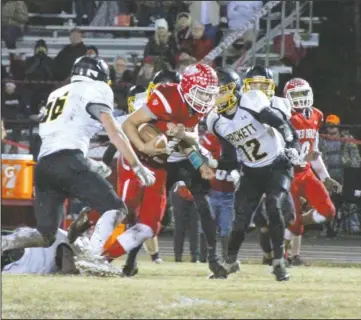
[185, 32]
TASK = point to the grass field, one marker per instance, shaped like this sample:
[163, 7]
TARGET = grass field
[182, 290]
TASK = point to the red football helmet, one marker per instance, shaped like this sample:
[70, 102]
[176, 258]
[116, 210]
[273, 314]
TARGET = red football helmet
[199, 85]
[299, 93]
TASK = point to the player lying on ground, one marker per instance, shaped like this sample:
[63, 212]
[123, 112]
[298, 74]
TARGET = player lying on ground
[74, 114]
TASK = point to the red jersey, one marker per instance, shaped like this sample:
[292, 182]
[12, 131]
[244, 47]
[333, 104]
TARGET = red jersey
[223, 181]
[168, 105]
[307, 127]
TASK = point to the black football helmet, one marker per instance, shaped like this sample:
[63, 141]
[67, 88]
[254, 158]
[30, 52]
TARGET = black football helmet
[163, 76]
[259, 78]
[131, 96]
[91, 67]
[229, 89]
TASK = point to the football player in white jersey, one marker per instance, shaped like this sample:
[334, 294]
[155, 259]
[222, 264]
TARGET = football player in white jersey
[74, 113]
[267, 147]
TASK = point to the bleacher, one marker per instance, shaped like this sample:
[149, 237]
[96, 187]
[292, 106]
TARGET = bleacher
[277, 22]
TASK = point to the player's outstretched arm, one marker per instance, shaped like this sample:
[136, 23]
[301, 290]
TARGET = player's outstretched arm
[130, 127]
[119, 139]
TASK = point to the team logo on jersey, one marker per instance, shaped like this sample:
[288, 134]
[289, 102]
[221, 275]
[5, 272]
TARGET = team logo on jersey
[155, 102]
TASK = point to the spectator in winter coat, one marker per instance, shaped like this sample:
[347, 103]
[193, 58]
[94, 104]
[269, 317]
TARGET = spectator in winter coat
[14, 15]
[182, 30]
[65, 59]
[161, 44]
[39, 67]
[199, 44]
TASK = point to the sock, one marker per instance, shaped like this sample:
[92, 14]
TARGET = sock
[151, 245]
[235, 241]
[103, 229]
[132, 257]
[296, 245]
[128, 240]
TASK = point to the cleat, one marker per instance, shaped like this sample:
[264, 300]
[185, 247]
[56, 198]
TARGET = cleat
[218, 270]
[232, 267]
[79, 225]
[297, 261]
[130, 271]
[156, 258]
[281, 272]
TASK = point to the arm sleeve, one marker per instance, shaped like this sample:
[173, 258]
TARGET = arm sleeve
[285, 128]
[109, 154]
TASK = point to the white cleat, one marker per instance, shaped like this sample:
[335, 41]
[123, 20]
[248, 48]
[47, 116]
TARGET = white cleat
[88, 268]
[158, 261]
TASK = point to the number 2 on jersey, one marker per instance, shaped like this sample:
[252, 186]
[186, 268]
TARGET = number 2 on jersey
[54, 109]
[254, 155]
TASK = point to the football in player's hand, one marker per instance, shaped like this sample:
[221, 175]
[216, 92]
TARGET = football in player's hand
[149, 132]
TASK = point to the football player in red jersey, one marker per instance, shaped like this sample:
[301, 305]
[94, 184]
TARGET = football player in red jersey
[306, 184]
[174, 109]
[221, 193]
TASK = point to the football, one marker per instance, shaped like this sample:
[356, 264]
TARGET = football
[148, 132]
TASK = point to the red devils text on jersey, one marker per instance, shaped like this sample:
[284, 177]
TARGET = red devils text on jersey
[307, 125]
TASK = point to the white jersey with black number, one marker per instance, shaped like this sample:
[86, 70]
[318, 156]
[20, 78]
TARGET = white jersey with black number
[67, 124]
[257, 144]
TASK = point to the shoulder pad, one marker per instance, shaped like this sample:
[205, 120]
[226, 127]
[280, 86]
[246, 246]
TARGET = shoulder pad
[319, 113]
[283, 105]
[254, 100]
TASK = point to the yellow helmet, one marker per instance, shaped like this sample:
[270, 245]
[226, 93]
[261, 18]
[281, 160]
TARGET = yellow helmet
[259, 78]
[229, 89]
[163, 76]
[131, 96]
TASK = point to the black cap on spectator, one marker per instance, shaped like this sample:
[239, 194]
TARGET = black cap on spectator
[90, 49]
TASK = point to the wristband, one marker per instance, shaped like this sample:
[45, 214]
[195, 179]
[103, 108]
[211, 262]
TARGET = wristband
[195, 159]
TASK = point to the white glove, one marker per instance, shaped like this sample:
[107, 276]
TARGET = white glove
[236, 177]
[100, 167]
[293, 155]
[145, 175]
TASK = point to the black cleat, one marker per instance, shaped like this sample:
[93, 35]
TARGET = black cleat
[297, 261]
[218, 270]
[79, 225]
[130, 271]
[281, 273]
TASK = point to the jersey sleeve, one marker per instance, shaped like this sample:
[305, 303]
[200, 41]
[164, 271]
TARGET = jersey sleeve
[100, 93]
[254, 100]
[158, 104]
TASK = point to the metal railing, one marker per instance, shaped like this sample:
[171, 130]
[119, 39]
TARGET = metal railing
[265, 42]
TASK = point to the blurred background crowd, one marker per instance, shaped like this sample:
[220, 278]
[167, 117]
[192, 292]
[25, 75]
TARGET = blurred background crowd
[176, 34]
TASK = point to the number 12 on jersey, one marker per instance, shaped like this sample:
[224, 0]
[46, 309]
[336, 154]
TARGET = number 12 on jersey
[251, 150]
[54, 109]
